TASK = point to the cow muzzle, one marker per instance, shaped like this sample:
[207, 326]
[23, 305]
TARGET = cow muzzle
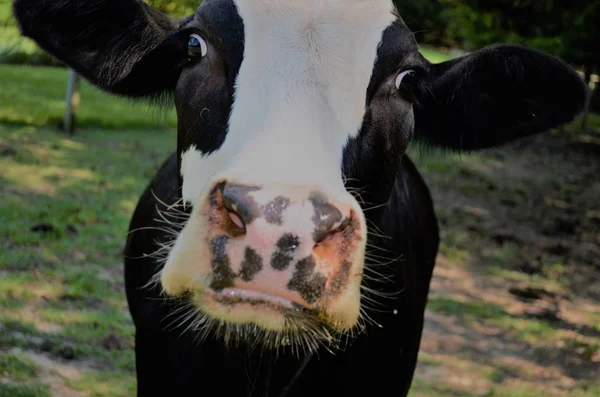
[281, 258]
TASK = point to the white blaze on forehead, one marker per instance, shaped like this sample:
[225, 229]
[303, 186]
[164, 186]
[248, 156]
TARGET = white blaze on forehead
[300, 93]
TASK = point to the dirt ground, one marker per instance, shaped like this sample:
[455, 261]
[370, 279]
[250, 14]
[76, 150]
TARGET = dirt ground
[515, 300]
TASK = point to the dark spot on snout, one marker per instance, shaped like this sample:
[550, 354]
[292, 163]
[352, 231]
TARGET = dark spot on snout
[325, 215]
[237, 197]
[223, 275]
[216, 193]
[284, 254]
[306, 282]
[273, 210]
[348, 228]
[251, 265]
[340, 279]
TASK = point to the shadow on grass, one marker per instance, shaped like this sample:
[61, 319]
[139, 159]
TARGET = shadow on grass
[513, 344]
[84, 189]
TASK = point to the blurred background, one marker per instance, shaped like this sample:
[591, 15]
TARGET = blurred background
[515, 301]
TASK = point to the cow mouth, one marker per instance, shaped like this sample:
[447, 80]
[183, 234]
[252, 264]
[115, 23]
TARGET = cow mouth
[249, 311]
[239, 316]
[238, 296]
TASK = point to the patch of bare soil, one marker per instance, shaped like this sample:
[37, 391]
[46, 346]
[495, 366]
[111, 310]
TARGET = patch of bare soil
[531, 208]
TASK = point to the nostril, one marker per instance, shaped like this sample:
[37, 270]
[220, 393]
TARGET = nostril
[326, 237]
[240, 204]
[341, 230]
[236, 219]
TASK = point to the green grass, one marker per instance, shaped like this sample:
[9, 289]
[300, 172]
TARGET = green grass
[10, 37]
[20, 371]
[593, 125]
[65, 287]
[433, 55]
[29, 389]
[470, 311]
[15, 367]
[525, 329]
[36, 96]
[5, 9]
[539, 333]
[422, 389]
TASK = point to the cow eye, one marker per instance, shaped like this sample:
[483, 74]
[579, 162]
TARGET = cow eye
[197, 46]
[408, 78]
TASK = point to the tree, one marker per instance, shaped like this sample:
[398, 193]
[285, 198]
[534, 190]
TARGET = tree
[566, 29]
[581, 46]
[176, 8]
[424, 18]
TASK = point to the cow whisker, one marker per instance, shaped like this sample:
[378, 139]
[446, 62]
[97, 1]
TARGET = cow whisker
[178, 204]
[303, 334]
[380, 233]
[376, 247]
[378, 277]
[374, 261]
[357, 194]
[375, 207]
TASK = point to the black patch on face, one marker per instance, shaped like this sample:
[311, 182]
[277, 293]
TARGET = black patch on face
[223, 276]
[306, 282]
[398, 47]
[273, 210]
[370, 160]
[284, 254]
[325, 215]
[206, 88]
[251, 265]
[237, 197]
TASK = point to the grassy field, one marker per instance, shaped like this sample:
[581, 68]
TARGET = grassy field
[35, 96]
[9, 34]
[61, 288]
[65, 207]
[65, 204]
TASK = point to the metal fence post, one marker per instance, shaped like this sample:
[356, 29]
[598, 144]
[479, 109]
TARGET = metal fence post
[72, 103]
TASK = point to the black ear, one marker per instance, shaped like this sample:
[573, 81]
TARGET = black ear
[122, 46]
[496, 95]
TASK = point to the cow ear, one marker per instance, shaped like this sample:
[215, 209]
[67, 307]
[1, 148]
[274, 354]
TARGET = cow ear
[494, 96]
[122, 46]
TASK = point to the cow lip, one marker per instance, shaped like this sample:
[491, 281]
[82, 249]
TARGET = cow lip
[233, 296]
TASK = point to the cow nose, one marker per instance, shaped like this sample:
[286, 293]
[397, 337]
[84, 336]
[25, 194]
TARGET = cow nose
[243, 209]
[291, 243]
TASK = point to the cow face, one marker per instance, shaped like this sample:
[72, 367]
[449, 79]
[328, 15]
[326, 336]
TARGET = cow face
[282, 106]
[273, 230]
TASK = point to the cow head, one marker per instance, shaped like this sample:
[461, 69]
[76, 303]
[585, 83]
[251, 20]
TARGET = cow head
[282, 105]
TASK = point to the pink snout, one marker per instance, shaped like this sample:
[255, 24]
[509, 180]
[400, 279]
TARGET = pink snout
[281, 246]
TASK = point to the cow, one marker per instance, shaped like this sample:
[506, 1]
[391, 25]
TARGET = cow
[286, 248]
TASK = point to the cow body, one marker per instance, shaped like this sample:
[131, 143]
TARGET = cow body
[378, 362]
[287, 247]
